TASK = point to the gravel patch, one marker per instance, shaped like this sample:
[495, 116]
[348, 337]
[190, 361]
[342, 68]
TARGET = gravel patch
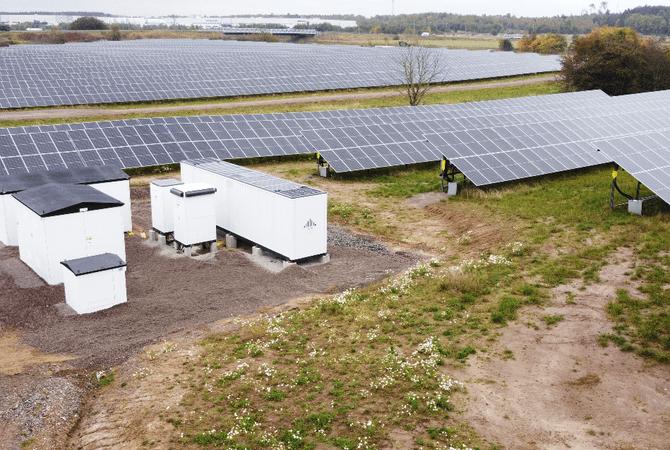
[344, 238]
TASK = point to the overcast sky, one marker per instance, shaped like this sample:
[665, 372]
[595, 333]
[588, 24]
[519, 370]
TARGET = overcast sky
[532, 8]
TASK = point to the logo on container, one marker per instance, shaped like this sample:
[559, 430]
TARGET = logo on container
[310, 224]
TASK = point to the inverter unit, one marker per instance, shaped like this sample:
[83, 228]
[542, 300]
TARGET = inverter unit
[285, 217]
[194, 213]
[107, 179]
[94, 283]
[58, 222]
[162, 219]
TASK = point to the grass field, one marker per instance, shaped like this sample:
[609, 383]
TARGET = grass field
[374, 365]
[468, 42]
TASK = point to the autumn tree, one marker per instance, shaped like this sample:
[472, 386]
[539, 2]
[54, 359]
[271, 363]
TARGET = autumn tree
[545, 44]
[617, 61]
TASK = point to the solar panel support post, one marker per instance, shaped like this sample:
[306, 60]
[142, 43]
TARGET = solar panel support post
[448, 176]
[615, 187]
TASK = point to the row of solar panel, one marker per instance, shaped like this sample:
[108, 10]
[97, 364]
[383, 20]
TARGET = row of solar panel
[482, 142]
[142, 142]
[153, 69]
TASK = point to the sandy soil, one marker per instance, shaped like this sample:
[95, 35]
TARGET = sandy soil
[563, 390]
[34, 114]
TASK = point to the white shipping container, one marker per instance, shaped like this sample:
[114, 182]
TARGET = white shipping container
[57, 222]
[285, 217]
[162, 216]
[108, 179]
[95, 282]
[194, 213]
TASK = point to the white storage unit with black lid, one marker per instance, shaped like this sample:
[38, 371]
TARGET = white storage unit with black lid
[94, 283]
[285, 217]
[108, 179]
[58, 222]
[162, 219]
[194, 213]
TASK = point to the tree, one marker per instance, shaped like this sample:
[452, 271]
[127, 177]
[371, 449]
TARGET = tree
[115, 34]
[545, 44]
[419, 67]
[88, 23]
[617, 61]
[5, 27]
[505, 45]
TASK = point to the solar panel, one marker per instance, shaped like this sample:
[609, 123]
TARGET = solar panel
[645, 156]
[103, 72]
[499, 154]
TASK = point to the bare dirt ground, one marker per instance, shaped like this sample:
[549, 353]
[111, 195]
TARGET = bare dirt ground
[65, 113]
[561, 389]
[170, 295]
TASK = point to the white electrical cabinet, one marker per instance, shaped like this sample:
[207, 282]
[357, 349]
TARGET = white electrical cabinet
[285, 217]
[107, 179]
[94, 283]
[162, 219]
[194, 213]
[58, 222]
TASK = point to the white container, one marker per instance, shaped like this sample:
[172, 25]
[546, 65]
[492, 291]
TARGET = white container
[194, 213]
[95, 282]
[162, 217]
[285, 217]
[58, 222]
[108, 179]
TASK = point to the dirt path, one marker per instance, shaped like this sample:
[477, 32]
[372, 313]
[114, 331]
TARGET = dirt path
[561, 389]
[35, 114]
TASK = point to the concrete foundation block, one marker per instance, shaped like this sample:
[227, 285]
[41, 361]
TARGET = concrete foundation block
[635, 207]
[188, 251]
[452, 188]
[231, 240]
[256, 251]
[324, 259]
[175, 245]
[324, 171]
[286, 264]
[162, 239]
[152, 235]
[213, 247]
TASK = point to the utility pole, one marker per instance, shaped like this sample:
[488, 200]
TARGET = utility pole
[392, 7]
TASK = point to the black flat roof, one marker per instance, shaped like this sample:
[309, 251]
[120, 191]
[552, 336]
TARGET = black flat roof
[95, 263]
[55, 199]
[78, 175]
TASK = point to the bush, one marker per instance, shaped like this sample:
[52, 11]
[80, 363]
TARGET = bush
[88, 23]
[115, 34]
[505, 45]
[545, 44]
[5, 27]
[618, 61]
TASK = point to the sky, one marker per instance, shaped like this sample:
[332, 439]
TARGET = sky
[527, 8]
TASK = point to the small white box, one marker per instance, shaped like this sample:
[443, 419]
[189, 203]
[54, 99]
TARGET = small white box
[162, 219]
[194, 212]
[94, 283]
[635, 207]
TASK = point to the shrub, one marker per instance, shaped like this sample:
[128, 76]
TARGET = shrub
[115, 34]
[5, 27]
[88, 23]
[545, 44]
[505, 45]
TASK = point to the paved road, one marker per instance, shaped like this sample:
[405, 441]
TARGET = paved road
[66, 113]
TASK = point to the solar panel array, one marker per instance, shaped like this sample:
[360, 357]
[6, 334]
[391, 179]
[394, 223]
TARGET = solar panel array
[508, 152]
[144, 70]
[646, 155]
[154, 141]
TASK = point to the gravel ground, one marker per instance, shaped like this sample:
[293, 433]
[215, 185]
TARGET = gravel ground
[344, 238]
